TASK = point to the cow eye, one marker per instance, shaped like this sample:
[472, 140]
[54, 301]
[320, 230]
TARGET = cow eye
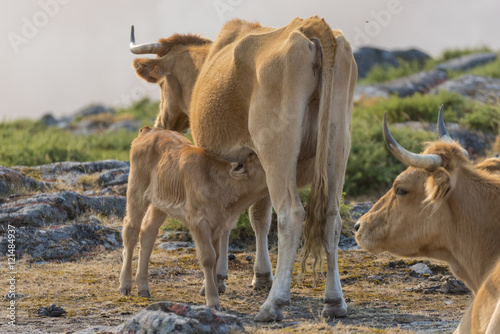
[400, 191]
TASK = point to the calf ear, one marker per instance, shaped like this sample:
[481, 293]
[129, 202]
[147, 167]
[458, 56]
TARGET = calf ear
[148, 69]
[438, 185]
[237, 169]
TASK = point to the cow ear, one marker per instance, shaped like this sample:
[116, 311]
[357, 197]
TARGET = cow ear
[438, 185]
[237, 169]
[148, 69]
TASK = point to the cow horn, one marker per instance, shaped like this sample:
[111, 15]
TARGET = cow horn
[150, 48]
[443, 133]
[427, 161]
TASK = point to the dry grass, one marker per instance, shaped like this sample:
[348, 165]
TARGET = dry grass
[88, 291]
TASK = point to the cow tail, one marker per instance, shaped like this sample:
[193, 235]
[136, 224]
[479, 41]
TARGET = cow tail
[316, 206]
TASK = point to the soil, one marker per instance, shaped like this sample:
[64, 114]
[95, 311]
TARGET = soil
[381, 295]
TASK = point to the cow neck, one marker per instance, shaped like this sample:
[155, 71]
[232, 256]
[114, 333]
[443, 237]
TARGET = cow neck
[474, 243]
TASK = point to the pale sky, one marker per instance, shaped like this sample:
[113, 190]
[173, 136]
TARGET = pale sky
[59, 56]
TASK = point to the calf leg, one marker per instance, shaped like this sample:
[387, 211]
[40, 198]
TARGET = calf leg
[260, 218]
[152, 221]
[130, 235]
[222, 267]
[207, 255]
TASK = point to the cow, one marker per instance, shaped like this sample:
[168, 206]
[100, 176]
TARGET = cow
[170, 177]
[444, 207]
[285, 94]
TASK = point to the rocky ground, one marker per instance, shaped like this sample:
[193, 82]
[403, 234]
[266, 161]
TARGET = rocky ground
[67, 220]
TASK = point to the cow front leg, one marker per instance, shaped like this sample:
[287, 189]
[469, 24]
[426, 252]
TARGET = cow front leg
[335, 305]
[260, 218]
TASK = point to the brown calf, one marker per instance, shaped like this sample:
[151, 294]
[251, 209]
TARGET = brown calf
[170, 177]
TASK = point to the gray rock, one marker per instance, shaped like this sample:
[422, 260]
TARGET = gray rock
[366, 58]
[168, 317]
[55, 208]
[360, 209]
[128, 125]
[94, 110]
[412, 55]
[421, 269]
[114, 177]
[346, 243]
[421, 82]
[13, 181]
[49, 120]
[362, 91]
[174, 245]
[467, 62]
[483, 89]
[64, 242]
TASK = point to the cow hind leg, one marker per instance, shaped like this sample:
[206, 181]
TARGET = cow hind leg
[335, 305]
[149, 232]
[260, 218]
[130, 235]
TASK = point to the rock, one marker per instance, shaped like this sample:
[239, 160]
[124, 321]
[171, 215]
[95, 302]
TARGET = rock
[13, 181]
[168, 317]
[128, 125]
[467, 62]
[248, 258]
[447, 284]
[174, 245]
[231, 257]
[55, 208]
[412, 55]
[51, 311]
[420, 82]
[360, 209]
[363, 91]
[94, 110]
[421, 269]
[64, 242]
[114, 177]
[49, 120]
[346, 243]
[482, 89]
[366, 58]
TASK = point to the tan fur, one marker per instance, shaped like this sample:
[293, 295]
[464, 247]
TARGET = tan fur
[286, 94]
[169, 177]
[451, 214]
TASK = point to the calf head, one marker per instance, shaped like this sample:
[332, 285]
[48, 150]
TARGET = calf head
[410, 218]
[175, 70]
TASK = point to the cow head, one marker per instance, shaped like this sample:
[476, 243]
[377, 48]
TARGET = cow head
[411, 217]
[175, 70]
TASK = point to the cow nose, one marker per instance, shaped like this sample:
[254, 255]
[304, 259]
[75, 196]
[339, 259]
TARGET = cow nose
[356, 227]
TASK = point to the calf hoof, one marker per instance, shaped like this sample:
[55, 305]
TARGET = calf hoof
[221, 283]
[144, 293]
[125, 291]
[269, 313]
[335, 309]
[262, 281]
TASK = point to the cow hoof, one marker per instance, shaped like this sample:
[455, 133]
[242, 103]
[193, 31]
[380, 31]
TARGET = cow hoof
[126, 291]
[262, 281]
[144, 293]
[335, 310]
[268, 314]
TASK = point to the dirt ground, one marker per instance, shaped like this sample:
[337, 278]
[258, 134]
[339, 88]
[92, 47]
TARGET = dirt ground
[378, 291]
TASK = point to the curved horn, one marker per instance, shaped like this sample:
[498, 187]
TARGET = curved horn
[150, 48]
[443, 133]
[427, 161]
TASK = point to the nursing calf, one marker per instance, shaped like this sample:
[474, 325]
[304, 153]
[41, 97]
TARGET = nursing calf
[170, 177]
[446, 208]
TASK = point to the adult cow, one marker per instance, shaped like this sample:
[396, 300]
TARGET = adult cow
[285, 94]
[446, 208]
